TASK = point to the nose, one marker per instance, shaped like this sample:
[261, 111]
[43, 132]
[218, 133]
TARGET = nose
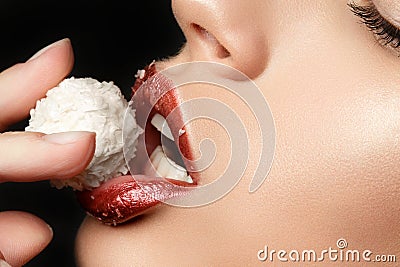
[224, 31]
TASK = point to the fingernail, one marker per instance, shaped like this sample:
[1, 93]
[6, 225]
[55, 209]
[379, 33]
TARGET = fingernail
[4, 264]
[47, 48]
[65, 137]
[51, 230]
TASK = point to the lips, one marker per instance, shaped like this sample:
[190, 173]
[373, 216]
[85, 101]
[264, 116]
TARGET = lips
[123, 198]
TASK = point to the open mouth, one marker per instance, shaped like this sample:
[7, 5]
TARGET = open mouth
[163, 158]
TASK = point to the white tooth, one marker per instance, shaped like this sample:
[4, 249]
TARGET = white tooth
[163, 166]
[166, 167]
[189, 179]
[153, 155]
[176, 173]
[169, 169]
[156, 156]
[161, 125]
[175, 166]
[181, 131]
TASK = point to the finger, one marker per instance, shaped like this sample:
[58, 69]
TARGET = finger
[23, 84]
[22, 236]
[28, 156]
[3, 262]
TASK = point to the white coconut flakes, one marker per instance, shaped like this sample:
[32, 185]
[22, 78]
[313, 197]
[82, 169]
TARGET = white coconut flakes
[85, 104]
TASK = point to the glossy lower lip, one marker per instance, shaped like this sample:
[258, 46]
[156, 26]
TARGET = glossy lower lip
[123, 198]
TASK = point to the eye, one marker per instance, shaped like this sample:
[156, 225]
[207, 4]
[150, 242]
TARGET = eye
[386, 33]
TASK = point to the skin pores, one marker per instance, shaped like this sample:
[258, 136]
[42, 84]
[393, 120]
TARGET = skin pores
[335, 97]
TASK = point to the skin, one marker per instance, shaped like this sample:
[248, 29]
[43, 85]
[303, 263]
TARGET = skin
[334, 93]
[335, 96]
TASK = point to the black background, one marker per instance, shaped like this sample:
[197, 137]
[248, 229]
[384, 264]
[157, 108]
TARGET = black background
[111, 41]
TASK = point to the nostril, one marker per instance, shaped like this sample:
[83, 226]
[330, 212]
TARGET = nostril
[222, 52]
[200, 30]
[219, 50]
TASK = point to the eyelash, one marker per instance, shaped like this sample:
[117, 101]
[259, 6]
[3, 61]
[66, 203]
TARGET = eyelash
[386, 33]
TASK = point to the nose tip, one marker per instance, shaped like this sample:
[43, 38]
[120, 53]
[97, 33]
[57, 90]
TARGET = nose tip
[215, 31]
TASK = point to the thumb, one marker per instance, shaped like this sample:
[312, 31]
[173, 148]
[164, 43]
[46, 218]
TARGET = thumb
[29, 156]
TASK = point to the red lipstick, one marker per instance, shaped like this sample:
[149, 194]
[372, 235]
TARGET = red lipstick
[122, 198]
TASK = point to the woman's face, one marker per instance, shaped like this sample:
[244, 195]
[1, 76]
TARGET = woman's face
[334, 92]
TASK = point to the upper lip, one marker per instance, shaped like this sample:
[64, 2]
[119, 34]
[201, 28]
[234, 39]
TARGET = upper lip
[159, 95]
[123, 198]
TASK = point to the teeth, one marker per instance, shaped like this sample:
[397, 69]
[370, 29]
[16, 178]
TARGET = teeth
[161, 124]
[181, 132]
[156, 156]
[166, 167]
[189, 179]
[162, 165]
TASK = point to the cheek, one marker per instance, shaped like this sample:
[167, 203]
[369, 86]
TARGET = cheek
[335, 172]
[335, 175]
[336, 167]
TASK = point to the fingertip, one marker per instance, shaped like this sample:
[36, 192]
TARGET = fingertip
[32, 156]
[63, 43]
[24, 83]
[77, 149]
[23, 236]
[87, 144]
[56, 58]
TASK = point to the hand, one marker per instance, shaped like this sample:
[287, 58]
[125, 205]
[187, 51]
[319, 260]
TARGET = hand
[26, 157]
